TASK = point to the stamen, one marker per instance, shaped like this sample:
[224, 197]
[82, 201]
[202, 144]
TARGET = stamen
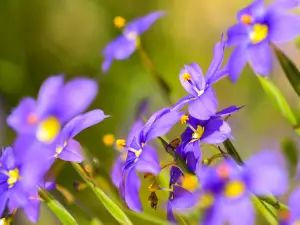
[59, 149]
[198, 133]
[13, 177]
[32, 119]
[186, 77]
[119, 22]
[259, 33]
[246, 19]
[108, 139]
[184, 118]
[121, 143]
[223, 171]
[234, 189]
[48, 129]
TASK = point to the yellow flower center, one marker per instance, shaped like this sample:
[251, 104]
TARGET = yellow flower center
[108, 139]
[59, 149]
[206, 200]
[246, 19]
[234, 189]
[186, 76]
[259, 33]
[119, 22]
[189, 182]
[13, 177]
[121, 143]
[184, 118]
[198, 133]
[48, 129]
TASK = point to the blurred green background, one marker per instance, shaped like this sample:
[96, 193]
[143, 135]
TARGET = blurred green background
[40, 38]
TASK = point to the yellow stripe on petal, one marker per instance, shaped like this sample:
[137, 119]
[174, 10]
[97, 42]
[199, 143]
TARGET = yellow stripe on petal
[260, 32]
[48, 129]
[13, 177]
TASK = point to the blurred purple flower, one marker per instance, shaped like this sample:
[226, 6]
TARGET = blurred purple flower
[258, 27]
[229, 187]
[125, 45]
[20, 175]
[291, 216]
[202, 100]
[142, 157]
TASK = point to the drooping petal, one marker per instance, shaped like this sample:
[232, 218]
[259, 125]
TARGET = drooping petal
[24, 118]
[132, 188]
[204, 106]
[72, 152]
[162, 125]
[260, 57]
[256, 10]
[76, 97]
[284, 27]
[192, 79]
[50, 95]
[142, 24]
[237, 62]
[32, 209]
[240, 212]
[81, 122]
[267, 174]
[216, 131]
[220, 74]
[217, 60]
[294, 205]
[148, 161]
[170, 215]
[182, 102]
[183, 199]
[3, 200]
[107, 64]
[116, 171]
[194, 147]
[229, 110]
[237, 35]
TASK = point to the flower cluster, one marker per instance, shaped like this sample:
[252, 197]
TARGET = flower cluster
[45, 128]
[220, 187]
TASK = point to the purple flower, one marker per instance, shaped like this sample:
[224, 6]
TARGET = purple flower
[291, 216]
[258, 27]
[230, 186]
[20, 175]
[142, 157]
[125, 45]
[202, 100]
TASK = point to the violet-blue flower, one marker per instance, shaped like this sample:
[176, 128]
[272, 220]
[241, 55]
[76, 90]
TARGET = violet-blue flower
[258, 27]
[20, 175]
[202, 101]
[142, 157]
[292, 215]
[125, 45]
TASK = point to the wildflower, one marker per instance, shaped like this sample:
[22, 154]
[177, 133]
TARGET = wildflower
[258, 27]
[20, 175]
[231, 187]
[291, 216]
[125, 45]
[57, 104]
[142, 157]
[202, 100]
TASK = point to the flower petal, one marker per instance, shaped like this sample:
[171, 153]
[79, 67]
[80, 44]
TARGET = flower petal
[194, 147]
[284, 27]
[134, 131]
[19, 119]
[294, 205]
[77, 95]
[142, 24]
[132, 188]
[72, 152]
[237, 62]
[107, 64]
[267, 174]
[283, 5]
[215, 132]
[182, 102]
[260, 58]
[3, 201]
[256, 10]
[8, 159]
[183, 199]
[116, 171]
[229, 110]
[237, 35]
[170, 215]
[220, 74]
[204, 106]
[32, 209]
[148, 161]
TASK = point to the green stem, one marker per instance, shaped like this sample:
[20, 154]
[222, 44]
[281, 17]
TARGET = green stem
[232, 151]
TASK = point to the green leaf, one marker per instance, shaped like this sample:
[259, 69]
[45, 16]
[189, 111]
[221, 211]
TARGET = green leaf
[290, 70]
[278, 99]
[147, 217]
[232, 151]
[290, 150]
[62, 214]
[266, 211]
[96, 221]
[111, 207]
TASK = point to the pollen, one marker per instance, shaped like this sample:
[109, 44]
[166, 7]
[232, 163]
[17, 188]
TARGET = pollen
[108, 139]
[186, 76]
[223, 171]
[189, 182]
[32, 119]
[234, 189]
[121, 143]
[246, 19]
[119, 22]
[48, 129]
[184, 118]
[198, 133]
[153, 187]
[259, 33]
[13, 177]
